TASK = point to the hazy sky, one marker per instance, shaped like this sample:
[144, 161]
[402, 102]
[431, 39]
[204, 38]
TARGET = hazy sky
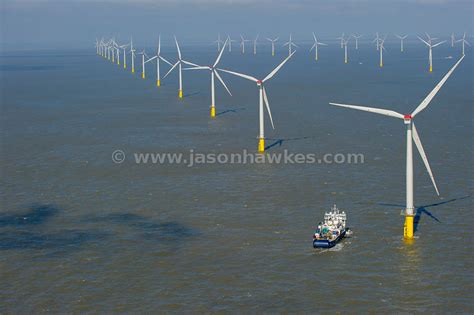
[76, 23]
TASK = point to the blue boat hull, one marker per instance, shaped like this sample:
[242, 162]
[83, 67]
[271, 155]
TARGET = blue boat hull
[327, 243]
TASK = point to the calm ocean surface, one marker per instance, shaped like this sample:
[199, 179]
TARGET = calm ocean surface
[79, 233]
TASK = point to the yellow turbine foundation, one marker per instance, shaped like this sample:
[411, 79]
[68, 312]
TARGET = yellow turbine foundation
[180, 94]
[261, 145]
[381, 65]
[273, 54]
[158, 83]
[133, 70]
[431, 68]
[408, 227]
[213, 112]
[125, 66]
[143, 75]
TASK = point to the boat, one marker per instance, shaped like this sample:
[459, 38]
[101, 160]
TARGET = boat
[332, 230]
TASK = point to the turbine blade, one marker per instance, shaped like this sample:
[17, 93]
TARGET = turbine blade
[432, 94]
[222, 81]
[240, 75]
[177, 47]
[423, 41]
[419, 146]
[163, 58]
[189, 63]
[159, 44]
[312, 47]
[172, 68]
[278, 68]
[381, 111]
[267, 105]
[438, 44]
[220, 54]
[197, 68]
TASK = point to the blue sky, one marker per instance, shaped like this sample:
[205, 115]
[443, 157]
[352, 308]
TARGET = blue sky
[42, 24]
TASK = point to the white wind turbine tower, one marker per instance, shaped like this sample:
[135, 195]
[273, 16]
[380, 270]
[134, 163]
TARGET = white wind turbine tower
[411, 136]
[315, 47]
[341, 38]
[255, 44]
[453, 39]
[262, 98]
[229, 40]
[430, 46]
[346, 60]
[124, 47]
[290, 45]
[132, 51]
[145, 60]
[401, 38]
[97, 46]
[273, 41]
[463, 41]
[219, 42]
[377, 40]
[356, 40]
[214, 73]
[158, 57]
[180, 63]
[381, 49]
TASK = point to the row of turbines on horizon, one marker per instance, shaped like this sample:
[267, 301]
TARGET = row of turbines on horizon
[110, 50]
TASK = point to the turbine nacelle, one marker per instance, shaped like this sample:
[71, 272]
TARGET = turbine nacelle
[259, 82]
[407, 119]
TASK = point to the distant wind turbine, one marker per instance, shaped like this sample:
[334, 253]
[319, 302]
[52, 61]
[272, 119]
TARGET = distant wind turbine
[341, 38]
[346, 60]
[262, 98]
[290, 45]
[124, 47]
[430, 46]
[242, 43]
[214, 73]
[411, 136]
[401, 38]
[377, 40]
[179, 64]
[381, 49]
[132, 51]
[255, 45]
[463, 41]
[356, 40]
[229, 40]
[273, 41]
[315, 47]
[219, 42]
[453, 39]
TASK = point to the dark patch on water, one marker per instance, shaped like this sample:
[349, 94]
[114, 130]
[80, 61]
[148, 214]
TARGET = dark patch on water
[29, 67]
[36, 215]
[157, 231]
[65, 240]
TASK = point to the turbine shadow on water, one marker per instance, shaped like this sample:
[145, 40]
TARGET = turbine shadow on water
[232, 110]
[279, 142]
[422, 210]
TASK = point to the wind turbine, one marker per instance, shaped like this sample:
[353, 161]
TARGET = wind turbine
[401, 37]
[123, 47]
[342, 40]
[345, 50]
[377, 40]
[262, 98]
[97, 46]
[218, 41]
[255, 45]
[463, 41]
[273, 44]
[453, 39]
[290, 44]
[132, 51]
[144, 55]
[242, 43]
[412, 136]
[214, 73]
[357, 40]
[431, 46]
[315, 47]
[179, 63]
[381, 49]
[230, 42]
